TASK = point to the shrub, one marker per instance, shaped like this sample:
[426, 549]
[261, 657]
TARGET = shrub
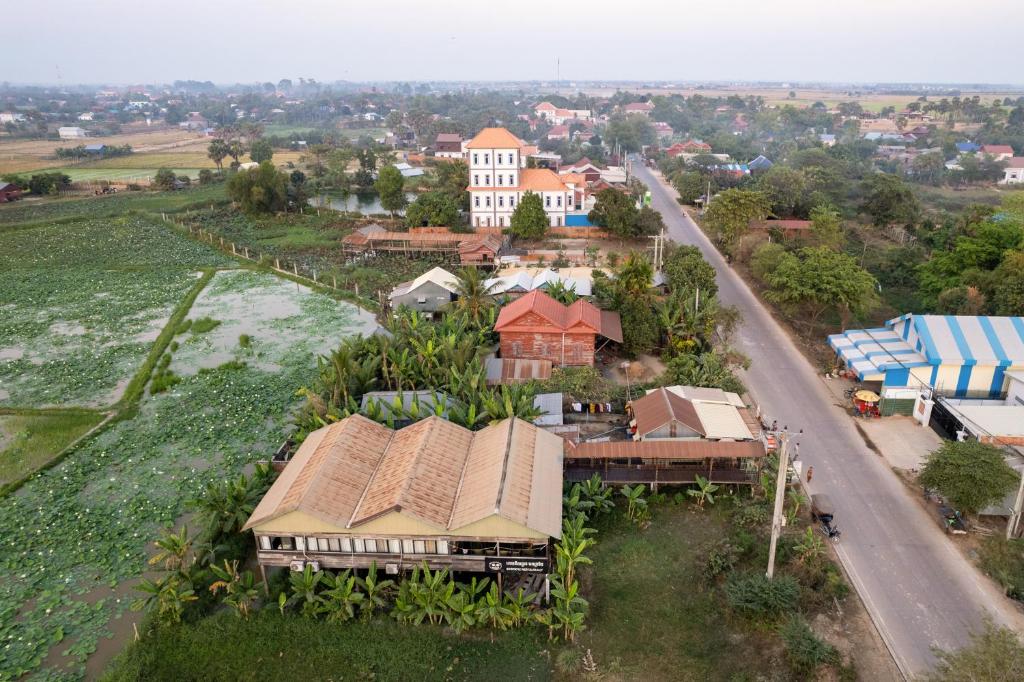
[244, 340]
[753, 594]
[722, 557]
[204, 324]
[765, 259]
[1004, 560]
[972, 475]
[185, 325]
[753, 514]
[805, 652]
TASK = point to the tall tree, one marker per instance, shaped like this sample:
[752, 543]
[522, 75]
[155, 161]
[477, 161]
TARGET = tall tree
[729, 215]
[827, 227]
[217, 151]
[888, 200]
[433, 208]
[819, 279]
[390, 186]
[616, 212]
[529, 221]
[259, 190]
[261, 151]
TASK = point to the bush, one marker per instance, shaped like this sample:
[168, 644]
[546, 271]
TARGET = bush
[972, 475]
[804, 650]
[765, 259]
[1004, 560]
[753, 514]
[204, 324]
[754, 595]
[722, 557]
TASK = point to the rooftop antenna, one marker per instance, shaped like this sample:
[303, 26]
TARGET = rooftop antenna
[558, 72]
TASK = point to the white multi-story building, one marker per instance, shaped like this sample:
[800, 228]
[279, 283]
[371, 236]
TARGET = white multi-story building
[559, 116]
[498, 179]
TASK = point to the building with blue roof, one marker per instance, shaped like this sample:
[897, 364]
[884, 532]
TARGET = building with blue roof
[760, 163]
[955, 355]
[967, 147]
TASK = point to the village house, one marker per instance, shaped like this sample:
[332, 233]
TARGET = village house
[689, 412]
[536, 326]
[999, 152]
[9, 192]
[358, 493]
[662, 129]
[432, 292]
[498, 179]
[558, 132]
[1013, 173]
[644, 108]
[688, 147]
[558, 115]
[470, 249]
[71, 132]
[448, 146]
[11, 117]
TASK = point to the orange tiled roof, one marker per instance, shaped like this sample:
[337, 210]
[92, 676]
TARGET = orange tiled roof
[494, 138]
[540, 180]
[605, 323]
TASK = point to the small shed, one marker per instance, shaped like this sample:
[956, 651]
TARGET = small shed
[9, 192]
[550, 406]
[431, 292]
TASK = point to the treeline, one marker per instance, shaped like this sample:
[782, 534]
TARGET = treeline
[80, 152]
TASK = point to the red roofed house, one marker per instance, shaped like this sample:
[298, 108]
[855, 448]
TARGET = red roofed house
[498, 179]
[1000, 152]
[559, 132]
[9, 192]
[558, 116]
[689, 147]
[1013, 174]
[448, 146]
[644, 108]
[788, 228]
[537, 327]
[663, 129]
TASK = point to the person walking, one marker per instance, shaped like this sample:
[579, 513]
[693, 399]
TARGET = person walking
[810, 474]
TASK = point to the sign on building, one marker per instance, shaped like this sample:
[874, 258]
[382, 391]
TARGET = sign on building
[516, 565]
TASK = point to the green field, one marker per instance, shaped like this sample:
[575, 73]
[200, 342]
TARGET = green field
[142, 175]
[28, 441]
[33, 210]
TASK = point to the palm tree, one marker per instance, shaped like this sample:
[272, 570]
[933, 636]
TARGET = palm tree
[474, 295]
[704, 491]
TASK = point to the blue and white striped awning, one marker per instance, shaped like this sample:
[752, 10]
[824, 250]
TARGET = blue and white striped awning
[965, 339]
[873, 352]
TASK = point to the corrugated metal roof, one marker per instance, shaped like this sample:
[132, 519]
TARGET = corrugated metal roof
[516, 370]
[444, 475]
[665, 449]
[438, 276]
[721, 420]
[550, 406]
[561, 316]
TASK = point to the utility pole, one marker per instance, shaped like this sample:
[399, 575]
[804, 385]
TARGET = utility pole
[780, 498]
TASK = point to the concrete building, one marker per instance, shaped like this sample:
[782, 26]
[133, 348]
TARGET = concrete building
[498, 179]
[448, 146]
[71, 132]
[1013, 173]
[432, 292]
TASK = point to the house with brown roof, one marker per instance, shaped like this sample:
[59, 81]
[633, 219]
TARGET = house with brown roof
[788, 228]
[691, 413]
[448, 146]
[644, 108]
[9, 192]
[357, 493]
[999, 152]
[537, 327]
[1013, 173]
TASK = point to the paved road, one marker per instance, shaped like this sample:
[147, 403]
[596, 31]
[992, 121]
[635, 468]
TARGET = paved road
[919, 589]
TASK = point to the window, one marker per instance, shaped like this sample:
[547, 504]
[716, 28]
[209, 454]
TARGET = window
[511, 202]
[487, 179]
[558, 201]
[370, 545]
[419, 547]
[476, 201]
[547, 201]
[512, 159]
[476, 180]
[475, 159]
[487, 200]
[358, 545]
[346, 544]
[333, 545]
[286, 543]
[442, 546]
[512, 180]
[407, 546]
[501, 221]
[265, 542]
[431, 547]
[312, 545]
[501, 202]
[300, 543]
[501, 179]
[395, 546]
[487, 158]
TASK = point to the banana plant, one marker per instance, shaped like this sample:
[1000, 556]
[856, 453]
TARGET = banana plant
[375, 592]
[703, 492]
[239, 588]
[491, 609]
[341, 598]
[305, 590]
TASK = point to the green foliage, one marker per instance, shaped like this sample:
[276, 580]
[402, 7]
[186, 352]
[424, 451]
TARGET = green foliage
[729, 215]
[993, 655]
[203, 325]
[529, 221]
[704, 492]
[721, 558]
[260, 151]
[616, 212]
[684, 267]
[888, 200]
[691, 186]
[766, 258]
[259, 190]
[1008, 297]
[785, 189]
[708, 369]
[970, 474]
[630, 132]
[805, 652]
[1004, 560]
[580, 383]
[433, 208]
[754, 595]
[827, 227]
[390, 186]
[165, 179]
[48, 183]
[818, 279]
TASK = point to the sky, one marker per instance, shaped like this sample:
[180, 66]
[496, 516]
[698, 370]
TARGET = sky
[229, 41]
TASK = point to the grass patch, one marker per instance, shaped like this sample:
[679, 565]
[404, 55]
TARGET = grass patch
[29, 441]
[274, 647]
[1004, 560]
[204, 324]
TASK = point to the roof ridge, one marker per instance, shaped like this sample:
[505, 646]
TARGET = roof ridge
[504, 466]
[462, 478]
[432, 420]
[369, 481]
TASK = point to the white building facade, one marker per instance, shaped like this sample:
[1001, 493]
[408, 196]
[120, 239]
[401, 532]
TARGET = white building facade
[498, 179]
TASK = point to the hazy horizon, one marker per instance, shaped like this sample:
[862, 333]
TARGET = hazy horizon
[230, 41]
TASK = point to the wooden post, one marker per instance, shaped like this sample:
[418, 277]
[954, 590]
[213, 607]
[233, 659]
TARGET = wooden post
[222, 241]
[295, 269]
[314, 277]
[780, 498]
[334, 281]
[233, 252]
[357, 289]
[277, 264]
[246, 251]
